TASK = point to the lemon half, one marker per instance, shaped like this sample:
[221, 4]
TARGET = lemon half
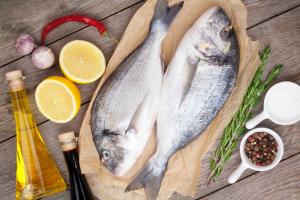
[82, 61]
[58, 99]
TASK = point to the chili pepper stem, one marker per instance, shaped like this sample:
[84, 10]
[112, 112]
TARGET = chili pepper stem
[106, 34]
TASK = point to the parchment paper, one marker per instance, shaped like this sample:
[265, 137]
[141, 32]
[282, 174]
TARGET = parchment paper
[184, 167]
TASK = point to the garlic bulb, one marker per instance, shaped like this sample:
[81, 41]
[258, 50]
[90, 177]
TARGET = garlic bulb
[43, 57]
[24, 44]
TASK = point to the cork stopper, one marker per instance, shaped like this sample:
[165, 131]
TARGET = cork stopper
[15, 80]
[13, 75]
[68, 141]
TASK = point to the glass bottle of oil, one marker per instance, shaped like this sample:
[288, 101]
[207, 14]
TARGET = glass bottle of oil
[36, 175]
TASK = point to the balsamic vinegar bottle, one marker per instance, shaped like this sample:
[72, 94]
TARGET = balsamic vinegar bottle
[78, 185]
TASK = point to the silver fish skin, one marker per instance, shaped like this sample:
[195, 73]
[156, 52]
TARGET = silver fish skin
[124, 111]
[196, 85]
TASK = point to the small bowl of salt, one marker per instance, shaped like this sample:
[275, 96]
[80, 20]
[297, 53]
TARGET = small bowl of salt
[281, 105]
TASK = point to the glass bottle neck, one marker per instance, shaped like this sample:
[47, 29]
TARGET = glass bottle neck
[22, 111]
[71, 157]
[16, 85]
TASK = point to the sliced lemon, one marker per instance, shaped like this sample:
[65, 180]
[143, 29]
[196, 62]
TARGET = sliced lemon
[58, 99]
[81, 61]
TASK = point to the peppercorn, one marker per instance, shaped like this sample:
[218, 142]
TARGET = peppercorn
[261, 149]
[272, 157]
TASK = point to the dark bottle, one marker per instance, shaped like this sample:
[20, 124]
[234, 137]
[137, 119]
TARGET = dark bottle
[78, 184]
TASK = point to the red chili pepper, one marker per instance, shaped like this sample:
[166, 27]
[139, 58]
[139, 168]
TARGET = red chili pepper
[69, 18]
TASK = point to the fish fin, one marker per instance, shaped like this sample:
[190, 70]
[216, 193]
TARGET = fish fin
[150, 179]
[191, 70]
[164, 13]
[139, 113]
[162, 59]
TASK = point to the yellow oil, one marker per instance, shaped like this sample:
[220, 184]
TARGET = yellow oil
[37, 175]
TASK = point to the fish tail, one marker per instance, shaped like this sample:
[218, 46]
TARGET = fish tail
[150, 179]
[164, 13]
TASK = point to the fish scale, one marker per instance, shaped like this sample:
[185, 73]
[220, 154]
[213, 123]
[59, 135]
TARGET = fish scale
[212, 95]
[124, 111]
[120, 97]
[195, 87]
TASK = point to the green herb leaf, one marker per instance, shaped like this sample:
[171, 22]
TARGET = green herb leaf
[236, 127]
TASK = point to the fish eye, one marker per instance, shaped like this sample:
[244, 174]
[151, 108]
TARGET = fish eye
[105, 155]
[225, 32]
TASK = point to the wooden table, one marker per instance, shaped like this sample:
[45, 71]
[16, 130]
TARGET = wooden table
[274, 22]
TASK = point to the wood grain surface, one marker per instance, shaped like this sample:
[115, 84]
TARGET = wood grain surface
[273, 22]
[281, 183]
[30, 16]
[264, 32]
[291, 139]
[116, 23]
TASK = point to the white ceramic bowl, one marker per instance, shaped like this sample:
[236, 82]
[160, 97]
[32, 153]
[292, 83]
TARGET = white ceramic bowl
[281, 105]
[247, 164]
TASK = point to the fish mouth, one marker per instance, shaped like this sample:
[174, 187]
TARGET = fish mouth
[119, 172]
[113, 165]
[124, 166]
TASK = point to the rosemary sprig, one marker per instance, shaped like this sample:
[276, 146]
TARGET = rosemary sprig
[236, 127]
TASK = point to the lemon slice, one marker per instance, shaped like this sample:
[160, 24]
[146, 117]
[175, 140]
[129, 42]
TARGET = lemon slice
[58, 99]
[81, 61]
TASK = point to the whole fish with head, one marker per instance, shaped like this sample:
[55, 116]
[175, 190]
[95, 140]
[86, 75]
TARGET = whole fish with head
[196, 85]
[124, 111]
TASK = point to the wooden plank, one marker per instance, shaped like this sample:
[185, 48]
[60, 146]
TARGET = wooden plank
[49, 132]
[286, 58]
[291, 138]
[259, 11]
[60, 196]
[234, 161]
[30, 16]
[281, 32]
[13, 19]
[117, 24]
[283, 182]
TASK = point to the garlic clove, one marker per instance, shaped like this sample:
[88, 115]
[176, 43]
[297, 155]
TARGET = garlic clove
[43, 57]
[25, 44]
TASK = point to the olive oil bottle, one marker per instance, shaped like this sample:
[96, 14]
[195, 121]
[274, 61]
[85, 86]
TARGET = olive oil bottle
[78, 184]
[36, 174]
